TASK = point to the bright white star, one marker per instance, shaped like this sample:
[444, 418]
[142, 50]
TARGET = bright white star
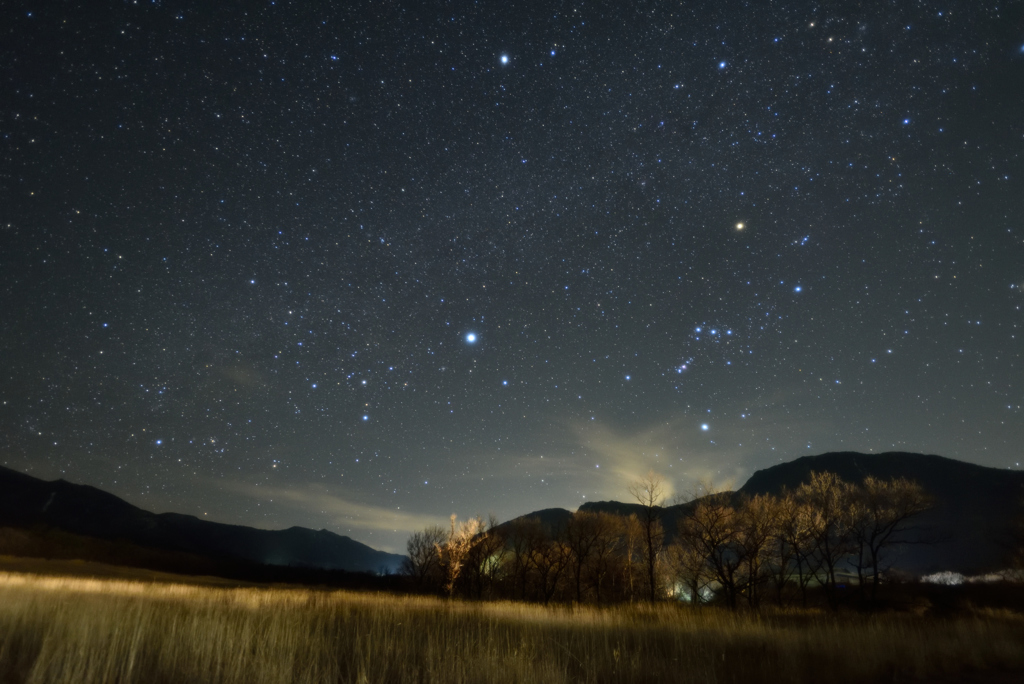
[471, 338]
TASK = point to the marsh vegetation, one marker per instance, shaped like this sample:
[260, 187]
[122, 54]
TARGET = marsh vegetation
[81, 630]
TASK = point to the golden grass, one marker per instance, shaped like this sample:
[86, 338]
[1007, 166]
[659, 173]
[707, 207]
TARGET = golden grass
[84, 568]
[55, 629]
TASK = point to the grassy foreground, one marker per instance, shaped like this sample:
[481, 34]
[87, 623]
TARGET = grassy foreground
[55, 629]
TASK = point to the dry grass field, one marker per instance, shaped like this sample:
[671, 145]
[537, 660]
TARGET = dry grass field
[81, 630]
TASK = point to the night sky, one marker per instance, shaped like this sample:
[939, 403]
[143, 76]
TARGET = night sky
[361, 266]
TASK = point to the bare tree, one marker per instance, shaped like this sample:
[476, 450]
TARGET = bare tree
[649, 492]
[689, 565]
[795, 545]
[524, 535]
[1015, 544]
[711, 530]
[630, 547]
[581, 534]
[757, 524]
[497, 546]
[452, 554]
[548, 560]
[421, 563]
[829, 499]
[880, 515]
[605, 553]
[486, 559]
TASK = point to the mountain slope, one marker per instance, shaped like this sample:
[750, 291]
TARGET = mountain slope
[26, 501]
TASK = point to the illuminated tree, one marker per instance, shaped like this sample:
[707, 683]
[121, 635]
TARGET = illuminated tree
[795, 547]
[829, 499]
[880, 513]
[711, 531]
[455, 549]
[756, 526]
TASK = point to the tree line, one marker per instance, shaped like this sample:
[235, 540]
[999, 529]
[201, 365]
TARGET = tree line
[731, 549]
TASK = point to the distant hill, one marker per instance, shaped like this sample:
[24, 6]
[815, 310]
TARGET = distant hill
[27, 502]
[967, 530]
[974, 507]
[551, 520]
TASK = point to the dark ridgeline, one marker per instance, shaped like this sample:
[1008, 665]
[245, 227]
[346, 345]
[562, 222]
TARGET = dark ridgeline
[552, 520]
[28, 502]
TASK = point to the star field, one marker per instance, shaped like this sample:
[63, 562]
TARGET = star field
[364, 265]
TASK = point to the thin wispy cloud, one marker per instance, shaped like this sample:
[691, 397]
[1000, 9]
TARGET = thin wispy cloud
[343, 509]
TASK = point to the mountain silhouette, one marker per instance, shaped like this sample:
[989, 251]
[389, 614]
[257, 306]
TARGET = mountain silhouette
[27, 502]
[969, 529]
